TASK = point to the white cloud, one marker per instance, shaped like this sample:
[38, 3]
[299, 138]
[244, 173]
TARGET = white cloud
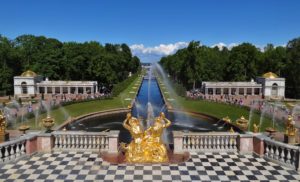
[221, 45]
[162, 49]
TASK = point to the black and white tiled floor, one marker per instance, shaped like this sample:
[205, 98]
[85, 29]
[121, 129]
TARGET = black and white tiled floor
[87, 166]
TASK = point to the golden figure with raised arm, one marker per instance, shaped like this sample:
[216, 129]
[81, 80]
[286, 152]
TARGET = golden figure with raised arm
[146, 147]
[134, 151]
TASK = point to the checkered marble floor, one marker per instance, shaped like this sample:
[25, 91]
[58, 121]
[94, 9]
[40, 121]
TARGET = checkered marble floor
[87, 166]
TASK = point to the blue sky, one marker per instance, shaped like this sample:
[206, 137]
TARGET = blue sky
[157, 27]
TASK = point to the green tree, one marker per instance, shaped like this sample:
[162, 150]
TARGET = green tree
[293, 68]
[242, 64]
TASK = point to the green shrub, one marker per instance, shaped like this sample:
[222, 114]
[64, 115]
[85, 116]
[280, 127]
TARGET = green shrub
[120, 87]
[179, 89]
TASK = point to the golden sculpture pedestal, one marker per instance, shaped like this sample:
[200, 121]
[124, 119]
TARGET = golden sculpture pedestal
[290, 139]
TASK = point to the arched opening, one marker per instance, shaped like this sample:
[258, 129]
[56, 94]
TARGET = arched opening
[274, 92]
[24, 88]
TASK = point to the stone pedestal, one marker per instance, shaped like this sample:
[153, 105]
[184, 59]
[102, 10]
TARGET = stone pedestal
[4, 138]
[289, 139]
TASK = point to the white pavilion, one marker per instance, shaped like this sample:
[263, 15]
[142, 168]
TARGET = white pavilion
[30, 84]
[269, 85]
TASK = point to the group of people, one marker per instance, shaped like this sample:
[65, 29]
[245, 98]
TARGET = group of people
[78, 97]
[229, 99]
[147, 146]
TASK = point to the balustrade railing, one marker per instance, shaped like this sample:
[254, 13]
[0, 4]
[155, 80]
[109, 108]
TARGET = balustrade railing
[13, 149]
[285, 154]
[69, 140]
[205, 142]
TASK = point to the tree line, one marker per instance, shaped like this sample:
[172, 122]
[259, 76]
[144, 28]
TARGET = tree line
[108, 64]
[196, 63]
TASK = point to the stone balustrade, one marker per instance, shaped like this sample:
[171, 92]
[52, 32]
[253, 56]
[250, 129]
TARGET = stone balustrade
[278, 152]
[13, 149]
[32, 143]
[282, 153]
[205, 142]
[80, 140]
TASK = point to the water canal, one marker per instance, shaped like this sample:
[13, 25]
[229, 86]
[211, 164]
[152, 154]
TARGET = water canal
[148, 104]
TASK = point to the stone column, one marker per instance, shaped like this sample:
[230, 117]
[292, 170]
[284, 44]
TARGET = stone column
[113, 141]
[69, 90]
[53, 90]
[76, 90]
[92, 89]
[84, 89]
[178, 142]
[61, 90]
[229, 91]
[46, 90]
[37, 90]
[245, 91]
[205, 91]
[222, 91]
[252, 91]
[96, 88]
[260, 91]
[214, 91]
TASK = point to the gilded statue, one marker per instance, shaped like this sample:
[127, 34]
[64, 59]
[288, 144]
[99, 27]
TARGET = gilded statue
[134, 151]
[290, 129]
[2, 123]
[255, 128]
[156, 149]
[146, 146]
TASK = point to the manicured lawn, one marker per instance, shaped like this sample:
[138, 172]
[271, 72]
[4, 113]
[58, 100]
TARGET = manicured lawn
[74, 110]
[218, 110]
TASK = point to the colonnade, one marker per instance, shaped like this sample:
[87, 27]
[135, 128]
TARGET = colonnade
[67, 89]
[232, 91]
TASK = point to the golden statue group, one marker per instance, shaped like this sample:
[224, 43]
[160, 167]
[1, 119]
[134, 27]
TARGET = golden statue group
[146, 146]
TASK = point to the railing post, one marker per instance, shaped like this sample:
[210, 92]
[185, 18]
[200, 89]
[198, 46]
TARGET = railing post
[298, 160]
[258, 145]
[178, 142]
[45, 142]
[113, 141]
[245, 143]
[31, 145]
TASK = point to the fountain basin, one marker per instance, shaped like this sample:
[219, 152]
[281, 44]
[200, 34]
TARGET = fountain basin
[113, 119]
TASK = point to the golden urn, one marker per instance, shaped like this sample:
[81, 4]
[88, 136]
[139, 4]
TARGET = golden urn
[23, 128]
[226, 119]
[48, 123]
[242, 123]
